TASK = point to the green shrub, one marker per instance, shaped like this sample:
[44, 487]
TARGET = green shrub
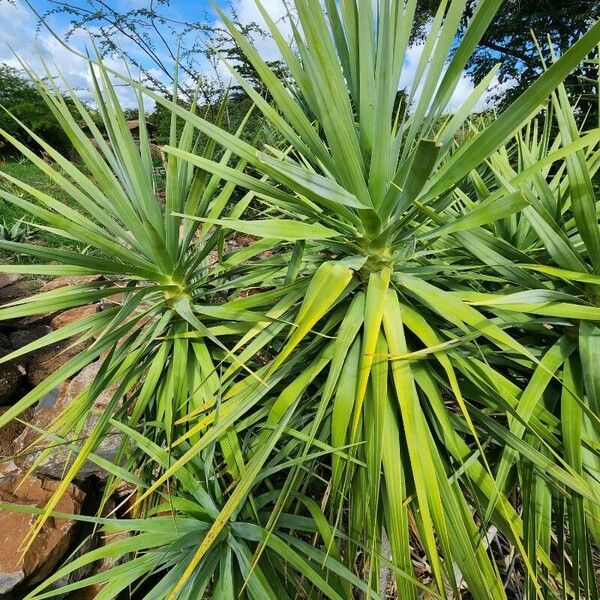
[404, 379]
[25, 103]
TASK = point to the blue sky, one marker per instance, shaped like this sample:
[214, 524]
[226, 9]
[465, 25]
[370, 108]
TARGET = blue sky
[17, 29]
[192, 10]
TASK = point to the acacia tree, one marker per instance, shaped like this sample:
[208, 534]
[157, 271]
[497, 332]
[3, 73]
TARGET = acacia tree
[151, 39]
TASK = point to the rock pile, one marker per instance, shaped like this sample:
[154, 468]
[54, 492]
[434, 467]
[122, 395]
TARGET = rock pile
[23, 564]
[34, 562]
[28, 446]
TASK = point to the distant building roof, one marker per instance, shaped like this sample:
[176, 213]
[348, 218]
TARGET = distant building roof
[134, 125]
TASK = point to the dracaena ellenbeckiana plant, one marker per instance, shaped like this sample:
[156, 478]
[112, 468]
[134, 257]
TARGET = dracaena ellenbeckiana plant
[418, 382]
[154, 341]
[556, 241]
[393, 389]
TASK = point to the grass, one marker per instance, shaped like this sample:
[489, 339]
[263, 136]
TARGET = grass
[27, 172]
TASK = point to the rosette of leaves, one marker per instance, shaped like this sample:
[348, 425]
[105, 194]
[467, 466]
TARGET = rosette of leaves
[369, 234]
[556, 239]
[147, 555]
[157, 341]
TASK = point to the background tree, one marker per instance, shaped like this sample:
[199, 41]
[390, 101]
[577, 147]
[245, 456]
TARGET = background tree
[557, 24]
[149, 33]
[151, 39]
[22, 99]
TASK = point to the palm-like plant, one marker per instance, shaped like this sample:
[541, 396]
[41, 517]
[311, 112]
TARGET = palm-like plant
[380, 387]
[559, 230]
[150, 554]
[158, 343]
[406, 373]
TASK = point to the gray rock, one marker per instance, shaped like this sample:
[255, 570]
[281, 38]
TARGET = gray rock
[22, 337]
[9, 581]
[29, 446]
[20, 289]
[45, 361]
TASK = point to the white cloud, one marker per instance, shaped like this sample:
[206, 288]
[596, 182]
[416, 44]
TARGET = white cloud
[17, 36]
[248, 12]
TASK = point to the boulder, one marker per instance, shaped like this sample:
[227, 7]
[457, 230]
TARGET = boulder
[28, 445]
[33, 321]
[113, 300]
[22, 337]
[73, 314]
[10, 373]
[45, 361]
[21, 288]
[52, 542]
[59, 282]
